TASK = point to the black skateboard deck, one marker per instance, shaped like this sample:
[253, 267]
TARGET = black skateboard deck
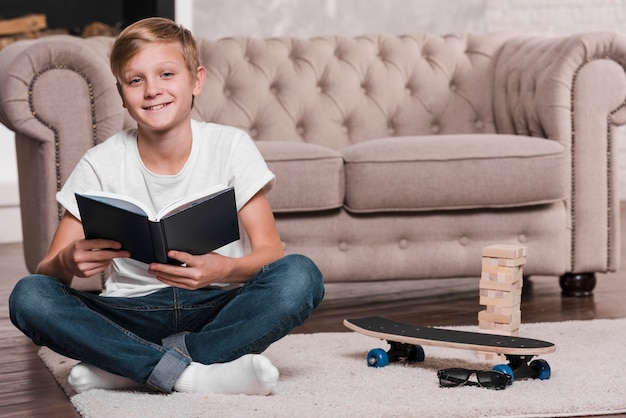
[406, 341]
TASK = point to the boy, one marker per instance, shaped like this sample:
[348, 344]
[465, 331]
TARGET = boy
[169, 327]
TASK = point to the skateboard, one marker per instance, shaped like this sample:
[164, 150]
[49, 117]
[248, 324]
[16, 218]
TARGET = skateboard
[406, 344]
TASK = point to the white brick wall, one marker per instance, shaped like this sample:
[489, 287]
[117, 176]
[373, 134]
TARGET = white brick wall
[555, 16]
[10, 220]
[217, 18]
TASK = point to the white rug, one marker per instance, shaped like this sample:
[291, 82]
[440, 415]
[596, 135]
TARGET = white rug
[325, 375]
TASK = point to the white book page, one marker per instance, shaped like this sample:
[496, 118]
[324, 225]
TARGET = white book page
[187, 200]
[135, 206]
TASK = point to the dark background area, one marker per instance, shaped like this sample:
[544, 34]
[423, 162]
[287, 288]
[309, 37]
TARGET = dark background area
[73, 15]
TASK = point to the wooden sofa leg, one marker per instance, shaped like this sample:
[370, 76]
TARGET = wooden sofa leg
[577, 284]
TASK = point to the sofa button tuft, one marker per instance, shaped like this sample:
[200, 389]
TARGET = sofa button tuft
[464, 241]
[403, 244]
[435, 128]
[343, 246]
[522, 238]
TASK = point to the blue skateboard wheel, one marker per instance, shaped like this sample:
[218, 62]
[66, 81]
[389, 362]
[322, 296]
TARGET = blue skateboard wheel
[416, 353]
[505, 368]
[377, 358]
[542, 367]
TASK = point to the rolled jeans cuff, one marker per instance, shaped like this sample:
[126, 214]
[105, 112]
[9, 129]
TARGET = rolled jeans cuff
[176, 341]
[171, 366]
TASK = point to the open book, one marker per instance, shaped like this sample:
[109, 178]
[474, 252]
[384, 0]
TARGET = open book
[197, 224]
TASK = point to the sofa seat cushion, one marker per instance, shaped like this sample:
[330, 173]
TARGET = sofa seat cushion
[423, 173]
[309, 177]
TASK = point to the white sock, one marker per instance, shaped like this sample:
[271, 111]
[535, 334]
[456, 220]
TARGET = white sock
[252, 374]
[85, 376]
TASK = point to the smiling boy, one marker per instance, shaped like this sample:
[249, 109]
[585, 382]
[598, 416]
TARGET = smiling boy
[170, 327]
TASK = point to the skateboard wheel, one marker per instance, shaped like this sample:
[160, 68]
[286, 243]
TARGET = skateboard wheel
[505, 368]
[416, 353]
[377, 358]
[542, 367]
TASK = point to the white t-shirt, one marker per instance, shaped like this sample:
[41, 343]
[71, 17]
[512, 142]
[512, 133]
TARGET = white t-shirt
[219, 155]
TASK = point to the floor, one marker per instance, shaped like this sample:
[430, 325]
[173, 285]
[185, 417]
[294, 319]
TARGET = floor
[28, 390]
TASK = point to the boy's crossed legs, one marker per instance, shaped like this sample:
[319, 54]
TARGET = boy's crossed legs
[214, 358]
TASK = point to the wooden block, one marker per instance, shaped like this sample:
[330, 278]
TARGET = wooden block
[506, 262]
[513, 333]
[502, 276]
[511, 271]
[502, 310]
[514, 319]
[500, 294]
[490, 297]
[492, 357]
[499, 285]
[512, 262]
[511, 329]
[487, 325]
[504, 302]
[504, 251]
[24, 24]
[498, 329]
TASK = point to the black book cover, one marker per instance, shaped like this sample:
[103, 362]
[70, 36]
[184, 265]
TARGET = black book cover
[197, 226]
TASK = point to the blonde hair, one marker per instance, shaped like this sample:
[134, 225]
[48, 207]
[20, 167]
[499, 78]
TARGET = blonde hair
[152, 29]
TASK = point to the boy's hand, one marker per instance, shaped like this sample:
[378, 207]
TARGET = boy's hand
[197, 271]
[70, 254]
[203, 270]
[84, 258]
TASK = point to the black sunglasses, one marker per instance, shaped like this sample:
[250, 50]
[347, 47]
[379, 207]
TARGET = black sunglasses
[491, 379]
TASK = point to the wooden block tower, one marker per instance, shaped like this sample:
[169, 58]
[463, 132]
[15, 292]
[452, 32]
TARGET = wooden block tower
[501, 291]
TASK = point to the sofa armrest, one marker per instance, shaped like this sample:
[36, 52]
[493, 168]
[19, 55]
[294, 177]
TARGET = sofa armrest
[569, 90]
[59, 97]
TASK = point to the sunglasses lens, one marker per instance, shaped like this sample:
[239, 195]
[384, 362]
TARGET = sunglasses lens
[453, 377]
[493, 379]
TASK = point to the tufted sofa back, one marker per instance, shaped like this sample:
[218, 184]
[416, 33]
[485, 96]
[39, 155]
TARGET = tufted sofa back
[337, 91]
[323, 111]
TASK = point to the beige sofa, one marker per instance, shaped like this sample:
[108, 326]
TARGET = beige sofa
[397, 157]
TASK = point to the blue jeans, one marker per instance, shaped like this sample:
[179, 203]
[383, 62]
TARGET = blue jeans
[152, 339]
